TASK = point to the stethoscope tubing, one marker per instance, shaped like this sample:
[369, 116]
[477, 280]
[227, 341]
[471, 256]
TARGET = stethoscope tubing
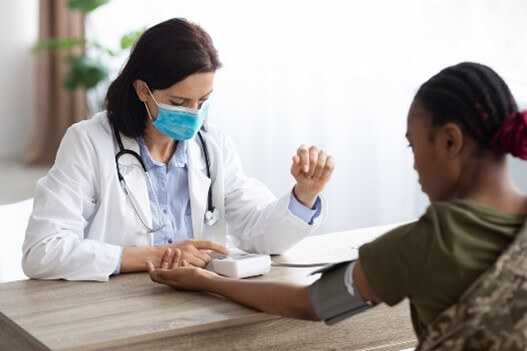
[211, 215]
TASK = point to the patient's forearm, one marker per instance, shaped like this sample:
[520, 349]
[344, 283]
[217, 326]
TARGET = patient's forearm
[285, 299]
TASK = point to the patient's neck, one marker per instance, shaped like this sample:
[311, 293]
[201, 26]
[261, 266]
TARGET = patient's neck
[489, 183]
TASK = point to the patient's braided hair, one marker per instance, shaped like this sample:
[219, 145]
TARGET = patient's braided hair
[476, 98]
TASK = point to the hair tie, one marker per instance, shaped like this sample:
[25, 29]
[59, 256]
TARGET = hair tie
[512, 136]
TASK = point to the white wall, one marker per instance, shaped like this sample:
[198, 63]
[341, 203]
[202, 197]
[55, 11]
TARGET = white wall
[19, 30]
[519, 173]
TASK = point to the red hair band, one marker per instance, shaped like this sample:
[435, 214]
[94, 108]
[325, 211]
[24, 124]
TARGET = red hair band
[512, 136]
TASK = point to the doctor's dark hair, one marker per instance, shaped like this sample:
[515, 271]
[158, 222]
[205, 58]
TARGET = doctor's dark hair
[164, 55]
[476, 98]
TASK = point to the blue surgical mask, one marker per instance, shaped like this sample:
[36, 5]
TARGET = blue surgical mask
[178, 122]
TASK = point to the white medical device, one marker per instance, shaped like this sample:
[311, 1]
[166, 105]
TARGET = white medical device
[240, 264]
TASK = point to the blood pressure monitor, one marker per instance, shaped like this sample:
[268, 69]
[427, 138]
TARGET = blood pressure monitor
[240, 264]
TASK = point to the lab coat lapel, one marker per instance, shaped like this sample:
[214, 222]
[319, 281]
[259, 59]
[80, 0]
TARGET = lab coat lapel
[133, 173]
[198, 186]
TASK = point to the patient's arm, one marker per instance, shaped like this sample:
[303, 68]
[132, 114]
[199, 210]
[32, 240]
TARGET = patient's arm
[274, 297]
[281, 298]
[364, 288]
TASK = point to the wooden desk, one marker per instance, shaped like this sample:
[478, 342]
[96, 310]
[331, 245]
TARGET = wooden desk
[132, 313]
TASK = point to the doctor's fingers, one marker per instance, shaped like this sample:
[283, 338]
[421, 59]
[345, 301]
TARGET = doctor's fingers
[198, 259]
[329, 167]
[313, 160]
[189, 249]
[194, 252]
[296, 167]
[209, 245]
[321, 164]
[303, 154]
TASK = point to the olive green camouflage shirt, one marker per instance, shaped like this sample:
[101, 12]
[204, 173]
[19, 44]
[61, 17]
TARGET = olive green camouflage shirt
[434, 260]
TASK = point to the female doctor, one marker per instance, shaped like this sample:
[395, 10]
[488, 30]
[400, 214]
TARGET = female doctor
[149, 175]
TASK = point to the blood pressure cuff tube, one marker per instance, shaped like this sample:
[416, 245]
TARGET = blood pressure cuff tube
[334, 296]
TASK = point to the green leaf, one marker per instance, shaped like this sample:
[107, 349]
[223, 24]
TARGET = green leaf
[57, 44]
[86, 5]
[129, 39]
[85, 72]
[102, 48]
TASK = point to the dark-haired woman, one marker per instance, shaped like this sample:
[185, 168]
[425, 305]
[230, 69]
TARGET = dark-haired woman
[461, 125]
[149, 176]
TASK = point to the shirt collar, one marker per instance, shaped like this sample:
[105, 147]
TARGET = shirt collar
[178, 159]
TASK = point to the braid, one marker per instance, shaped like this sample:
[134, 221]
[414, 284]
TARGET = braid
[471, 95]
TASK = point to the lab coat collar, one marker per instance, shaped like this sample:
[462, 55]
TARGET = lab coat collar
[195, 156]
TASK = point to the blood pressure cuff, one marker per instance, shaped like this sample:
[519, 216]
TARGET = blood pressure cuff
[334, 296]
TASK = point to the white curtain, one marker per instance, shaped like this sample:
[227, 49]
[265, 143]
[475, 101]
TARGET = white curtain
[336, 74]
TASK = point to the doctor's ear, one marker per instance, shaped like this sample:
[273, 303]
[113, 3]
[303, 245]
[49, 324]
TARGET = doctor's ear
[141, 90]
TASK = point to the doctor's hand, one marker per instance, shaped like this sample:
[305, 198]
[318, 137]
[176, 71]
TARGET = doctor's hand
[192, 254]
[134, 257]
[312, 168]
[175, 271]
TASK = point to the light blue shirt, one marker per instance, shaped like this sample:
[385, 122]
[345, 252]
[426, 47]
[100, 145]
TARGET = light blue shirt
[170, 182]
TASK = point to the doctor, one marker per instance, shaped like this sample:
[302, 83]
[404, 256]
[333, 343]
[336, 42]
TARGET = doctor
[150, 175]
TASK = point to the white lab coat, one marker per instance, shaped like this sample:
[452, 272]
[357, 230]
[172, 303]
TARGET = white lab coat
[81, 217]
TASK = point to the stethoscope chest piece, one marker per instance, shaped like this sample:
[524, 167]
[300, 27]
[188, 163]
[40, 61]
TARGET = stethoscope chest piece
[211, 217]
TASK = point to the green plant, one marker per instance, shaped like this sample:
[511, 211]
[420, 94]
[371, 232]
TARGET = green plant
[84, 71]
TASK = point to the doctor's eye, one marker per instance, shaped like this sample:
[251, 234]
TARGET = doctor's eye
[177, 102]
[201, 102]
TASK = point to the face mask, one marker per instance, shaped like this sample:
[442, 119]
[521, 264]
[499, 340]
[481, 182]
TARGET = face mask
[177, 122]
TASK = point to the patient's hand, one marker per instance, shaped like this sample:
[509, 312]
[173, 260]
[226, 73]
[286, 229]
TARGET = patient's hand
[179, 274]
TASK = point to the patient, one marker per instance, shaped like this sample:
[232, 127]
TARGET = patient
[461, 125]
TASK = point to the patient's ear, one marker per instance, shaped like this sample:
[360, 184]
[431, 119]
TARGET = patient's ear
[450, 140]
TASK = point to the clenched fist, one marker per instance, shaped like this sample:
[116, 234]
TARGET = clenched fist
[312, 168]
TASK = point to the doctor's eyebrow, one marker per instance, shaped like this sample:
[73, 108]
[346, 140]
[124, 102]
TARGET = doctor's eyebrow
[186, 99]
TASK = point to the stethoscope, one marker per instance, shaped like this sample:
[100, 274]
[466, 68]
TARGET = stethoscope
[212, 215]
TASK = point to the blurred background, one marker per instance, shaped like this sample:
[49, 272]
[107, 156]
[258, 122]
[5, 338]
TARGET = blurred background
[336, 74]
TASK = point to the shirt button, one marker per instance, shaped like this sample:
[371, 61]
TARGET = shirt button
[165, 211]
[170, 241]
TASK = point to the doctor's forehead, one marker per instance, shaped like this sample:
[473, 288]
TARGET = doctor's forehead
[194, 86]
